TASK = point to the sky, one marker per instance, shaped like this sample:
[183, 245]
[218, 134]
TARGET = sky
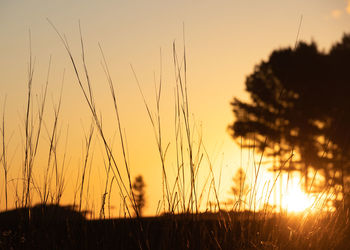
[224, 40]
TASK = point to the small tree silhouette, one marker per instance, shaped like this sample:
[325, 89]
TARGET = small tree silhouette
[239, 188]
[139, 194]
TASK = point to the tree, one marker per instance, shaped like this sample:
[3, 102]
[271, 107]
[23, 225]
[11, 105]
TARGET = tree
[297, 103]
[240, 188]
[138, 189]
[277, 88]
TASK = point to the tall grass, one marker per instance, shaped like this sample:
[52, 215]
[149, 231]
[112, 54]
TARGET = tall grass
[4, 157]
[86, 88]
[32, 131]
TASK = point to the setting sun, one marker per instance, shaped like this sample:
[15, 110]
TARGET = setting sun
[296, 200]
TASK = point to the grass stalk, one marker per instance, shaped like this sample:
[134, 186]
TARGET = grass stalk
[3, 158]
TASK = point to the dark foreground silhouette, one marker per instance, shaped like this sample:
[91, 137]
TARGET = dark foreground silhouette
[55, 227]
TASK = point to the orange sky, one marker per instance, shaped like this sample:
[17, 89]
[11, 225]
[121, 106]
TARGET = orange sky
[224, 40]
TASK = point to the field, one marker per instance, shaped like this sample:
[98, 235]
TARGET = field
[54, 227]
[190, 214]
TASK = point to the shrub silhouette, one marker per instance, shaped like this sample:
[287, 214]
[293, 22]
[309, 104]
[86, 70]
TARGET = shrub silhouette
[42, 213]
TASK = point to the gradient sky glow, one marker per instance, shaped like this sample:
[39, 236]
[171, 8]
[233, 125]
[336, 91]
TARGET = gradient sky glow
[224, 40]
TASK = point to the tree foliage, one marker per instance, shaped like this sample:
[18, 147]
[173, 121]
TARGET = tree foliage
[299, 100]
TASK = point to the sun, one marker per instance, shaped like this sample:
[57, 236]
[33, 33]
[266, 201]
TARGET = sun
[295, 200]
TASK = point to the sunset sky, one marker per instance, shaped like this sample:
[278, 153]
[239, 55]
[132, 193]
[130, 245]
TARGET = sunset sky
[224, 40]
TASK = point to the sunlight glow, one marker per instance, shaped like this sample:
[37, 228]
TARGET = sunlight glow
[295, 200]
